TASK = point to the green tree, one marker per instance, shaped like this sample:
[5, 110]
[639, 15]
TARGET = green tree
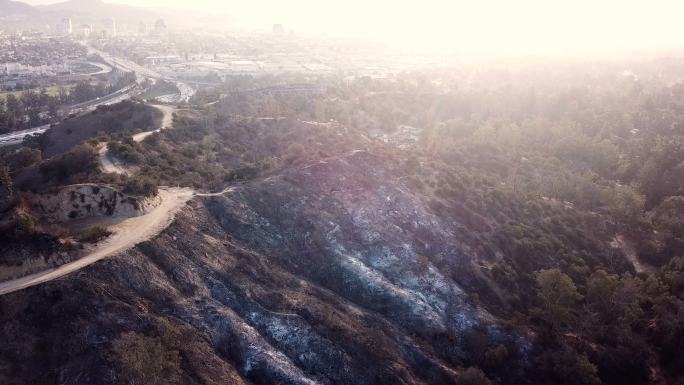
[601, 289]
[22, 158]
[669, 216]
[140, 185]
[558, 296]
[6, 180]
[626, 204]
[569, 368]
[3, 117]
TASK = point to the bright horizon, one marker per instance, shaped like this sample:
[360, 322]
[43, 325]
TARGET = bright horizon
[489, 26]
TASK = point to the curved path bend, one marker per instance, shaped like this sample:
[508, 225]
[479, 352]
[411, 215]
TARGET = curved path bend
[107, 162]
[127, 234]
[167, 122]
[110, 165]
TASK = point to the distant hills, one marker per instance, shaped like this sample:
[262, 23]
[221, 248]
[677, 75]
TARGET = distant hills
[13, 8]
[20, 15]
[81, 11]
[97, 9]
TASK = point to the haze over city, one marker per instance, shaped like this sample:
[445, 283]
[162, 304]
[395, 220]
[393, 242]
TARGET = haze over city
[204, 192]
[490, 26]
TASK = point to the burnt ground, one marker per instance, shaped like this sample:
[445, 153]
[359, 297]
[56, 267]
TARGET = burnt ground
[334, 273]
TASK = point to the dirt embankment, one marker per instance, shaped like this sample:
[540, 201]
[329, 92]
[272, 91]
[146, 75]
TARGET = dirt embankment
[127, 232]
[88, 201]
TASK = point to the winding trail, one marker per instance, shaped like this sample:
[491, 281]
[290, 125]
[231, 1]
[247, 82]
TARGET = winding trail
[127, 234]
[226, 190]
[167, 122]
[109, 164]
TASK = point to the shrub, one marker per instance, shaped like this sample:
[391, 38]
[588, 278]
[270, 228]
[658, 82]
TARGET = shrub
[474, 376]
[145, 360]
[567, 367]
[244, 173]
[81, 160]
[125, 152]
[496, 356]
[6, 183]
[141, 186]
[93, 234]
[25, 224]
[22, 158]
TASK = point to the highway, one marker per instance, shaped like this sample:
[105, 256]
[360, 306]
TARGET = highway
[103, 69]
[113, 98]
[184, 95]
[185, 90]
[17, 136]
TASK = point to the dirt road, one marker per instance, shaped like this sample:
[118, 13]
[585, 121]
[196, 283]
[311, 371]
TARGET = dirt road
[167, 122]
[127, 234]
[109, 165]
[227, 190]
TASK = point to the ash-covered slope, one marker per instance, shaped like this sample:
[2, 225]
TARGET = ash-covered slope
[334, 273]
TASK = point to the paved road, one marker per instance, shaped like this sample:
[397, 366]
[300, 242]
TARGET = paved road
[18, 136]
[185, 93]
[185, 90]
[113, 98]
[102, 68]
[127, 234]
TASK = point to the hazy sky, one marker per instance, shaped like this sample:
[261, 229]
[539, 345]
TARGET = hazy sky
[529, 26]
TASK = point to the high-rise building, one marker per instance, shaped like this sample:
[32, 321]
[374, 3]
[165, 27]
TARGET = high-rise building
[160, 27]
[65, 27]
[142, 28]
[110, 27]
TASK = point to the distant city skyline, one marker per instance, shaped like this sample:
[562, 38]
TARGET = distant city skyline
[525, 26]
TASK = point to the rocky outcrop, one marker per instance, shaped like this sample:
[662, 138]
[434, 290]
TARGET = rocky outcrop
[88, 201]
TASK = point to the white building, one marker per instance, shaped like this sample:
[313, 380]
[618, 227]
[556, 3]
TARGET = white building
[65, 27]
[21, 70]
[84, 30]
